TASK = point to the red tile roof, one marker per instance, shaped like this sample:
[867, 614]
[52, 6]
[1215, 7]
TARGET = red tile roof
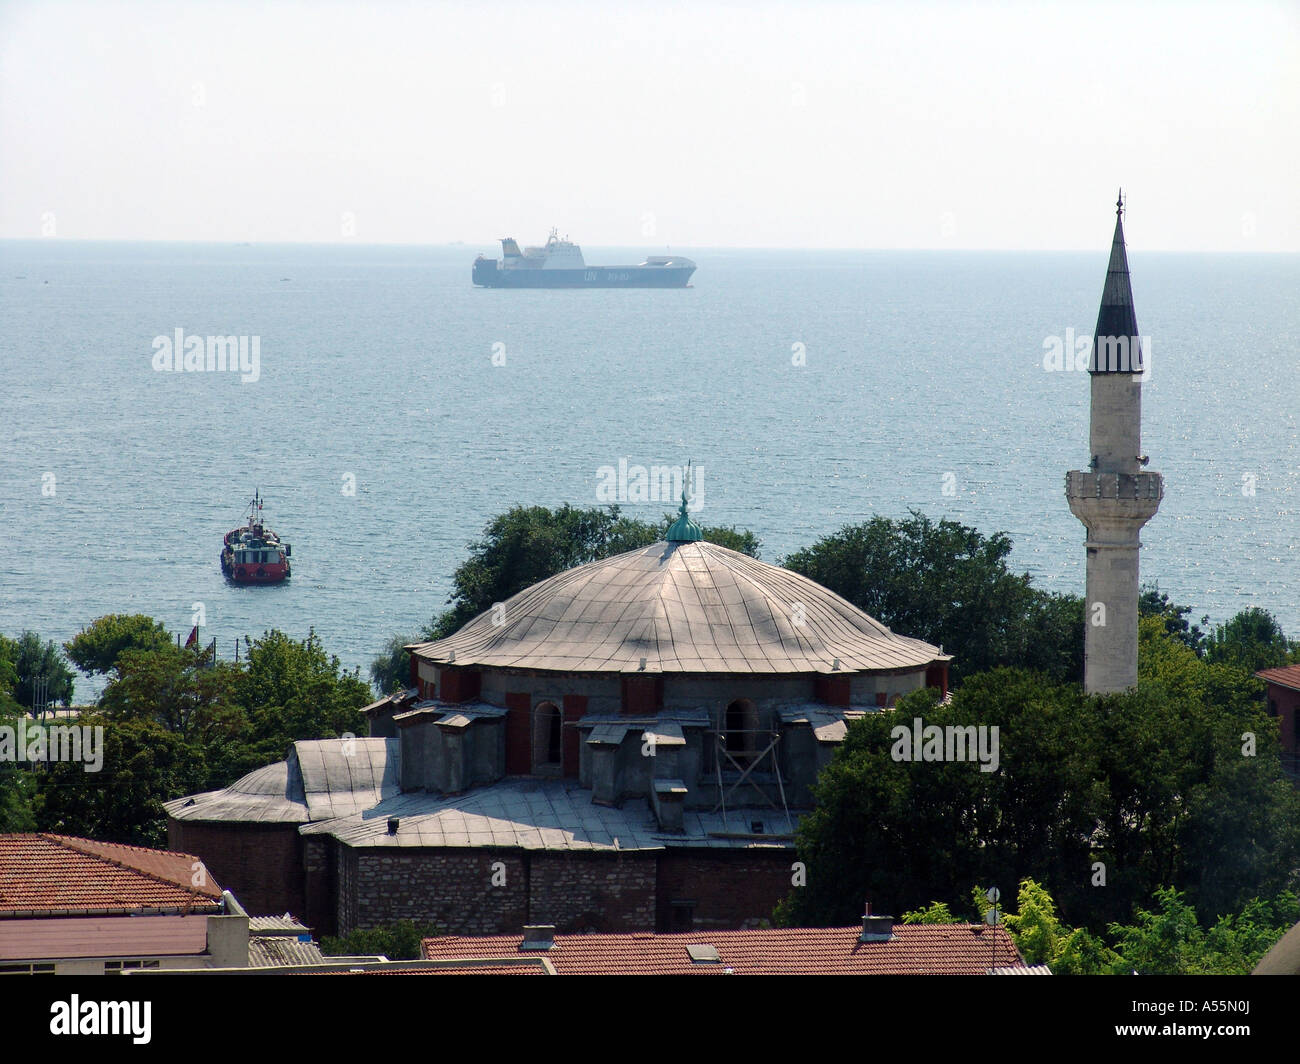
[44, 875]
[1287, 676]
[916, 949]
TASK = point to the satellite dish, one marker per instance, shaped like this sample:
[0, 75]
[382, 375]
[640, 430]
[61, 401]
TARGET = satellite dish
[992, 918]
[993, 894]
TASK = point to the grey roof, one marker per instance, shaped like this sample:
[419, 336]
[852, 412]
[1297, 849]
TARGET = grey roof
[276, 925]
[269, 951]
[682, 608]
[321, 778]
[537, 814]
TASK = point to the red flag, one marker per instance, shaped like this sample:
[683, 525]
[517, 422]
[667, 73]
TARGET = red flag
[194, 636]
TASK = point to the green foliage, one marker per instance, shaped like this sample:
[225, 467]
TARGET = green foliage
[1155, 603]
[1168, 940]
[144, 765]
[934, 913]
[1158, 785]
[948, 584]
[292, 690]
[34, 661]
[1042, 938]
[177, 722]
[96, 648]
[1250, 641]
[397, 941]
[16, 786]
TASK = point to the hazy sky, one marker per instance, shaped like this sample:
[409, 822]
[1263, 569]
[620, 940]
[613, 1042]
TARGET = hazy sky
[651, 124]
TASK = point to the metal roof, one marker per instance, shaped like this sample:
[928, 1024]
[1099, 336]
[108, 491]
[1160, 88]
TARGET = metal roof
[680, 607]
[321, 779]
[535, 814]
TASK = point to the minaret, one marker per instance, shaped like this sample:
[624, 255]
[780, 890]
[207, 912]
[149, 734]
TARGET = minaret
[1114, 498]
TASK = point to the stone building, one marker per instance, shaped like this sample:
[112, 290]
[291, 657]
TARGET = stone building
[625, 746]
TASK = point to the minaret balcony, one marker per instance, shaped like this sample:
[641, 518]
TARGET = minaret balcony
[1082, 484]
[1117, 500]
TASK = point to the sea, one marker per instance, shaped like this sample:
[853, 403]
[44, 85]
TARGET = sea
[394, 410]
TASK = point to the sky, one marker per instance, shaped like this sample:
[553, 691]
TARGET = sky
[653, 124]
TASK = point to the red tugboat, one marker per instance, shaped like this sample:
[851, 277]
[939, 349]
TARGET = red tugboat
[253, 554]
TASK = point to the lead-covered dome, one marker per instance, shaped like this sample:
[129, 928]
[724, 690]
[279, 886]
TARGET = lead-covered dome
[679, 607]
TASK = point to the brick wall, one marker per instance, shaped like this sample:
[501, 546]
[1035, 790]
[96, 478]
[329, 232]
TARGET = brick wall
[596, 891]
[260, 864]
[451, 888]
[319, 867]
[730, 889]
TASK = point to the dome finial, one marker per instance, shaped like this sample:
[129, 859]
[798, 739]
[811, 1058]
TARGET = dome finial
[684, 530]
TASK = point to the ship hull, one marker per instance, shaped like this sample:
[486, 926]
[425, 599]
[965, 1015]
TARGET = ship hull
[488, 274]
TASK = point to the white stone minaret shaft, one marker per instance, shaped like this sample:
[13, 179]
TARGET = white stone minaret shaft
[1114, 498]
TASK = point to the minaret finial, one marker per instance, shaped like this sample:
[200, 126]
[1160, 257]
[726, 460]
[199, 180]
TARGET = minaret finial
[1119, 205]
[684, 530]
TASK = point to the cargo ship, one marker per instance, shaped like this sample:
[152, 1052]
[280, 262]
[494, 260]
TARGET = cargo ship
[252, 553]
[560, 265]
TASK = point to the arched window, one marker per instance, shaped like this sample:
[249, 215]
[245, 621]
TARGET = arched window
[740, 732]
[547, 738]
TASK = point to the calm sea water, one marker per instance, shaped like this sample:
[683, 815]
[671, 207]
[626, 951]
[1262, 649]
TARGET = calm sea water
[923, 371]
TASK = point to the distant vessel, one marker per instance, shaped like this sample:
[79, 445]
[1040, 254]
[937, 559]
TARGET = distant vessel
[252, 553]
[560, 265]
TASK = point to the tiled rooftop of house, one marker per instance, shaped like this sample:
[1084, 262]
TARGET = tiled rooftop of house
[47, 875]
[915, 949]
[1286, 676]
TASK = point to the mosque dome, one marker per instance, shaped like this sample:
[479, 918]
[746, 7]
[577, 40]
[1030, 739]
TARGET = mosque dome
[679, 606]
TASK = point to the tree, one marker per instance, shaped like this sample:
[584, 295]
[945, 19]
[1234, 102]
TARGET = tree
[144, 765]
[291, 690]
[1250, 641]
[41, 672]
[1168, 940]
[1155, 603]
[16, 789]
[176, 688]
[96, 648]
[1177, 784]
[400, 941]
[524, 546]
[948, 584]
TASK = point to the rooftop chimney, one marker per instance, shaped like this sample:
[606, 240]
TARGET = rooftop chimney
[876, 928]
[393, 824]
[538, 937]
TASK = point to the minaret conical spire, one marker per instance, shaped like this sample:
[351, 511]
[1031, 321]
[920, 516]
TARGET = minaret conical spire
[1116, 347]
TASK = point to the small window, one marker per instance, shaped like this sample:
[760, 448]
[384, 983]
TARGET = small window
[740, 733]
[548, 744]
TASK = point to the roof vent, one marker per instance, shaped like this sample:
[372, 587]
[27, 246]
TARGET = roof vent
[703, 954]
[538, 937]
[876, 928]
[393, 824]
